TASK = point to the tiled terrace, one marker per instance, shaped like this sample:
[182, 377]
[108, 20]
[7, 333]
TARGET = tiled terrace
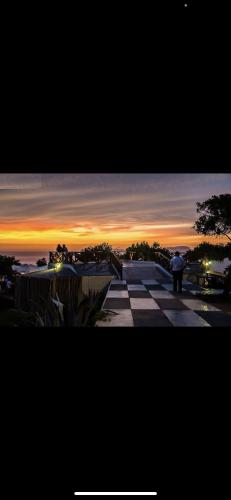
[151, 302]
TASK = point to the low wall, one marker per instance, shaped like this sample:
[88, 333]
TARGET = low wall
[94, 283]
[28, 289]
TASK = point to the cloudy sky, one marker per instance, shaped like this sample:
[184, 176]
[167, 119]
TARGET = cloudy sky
[37, 211]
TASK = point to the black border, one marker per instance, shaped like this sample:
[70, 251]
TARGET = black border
[167, 391]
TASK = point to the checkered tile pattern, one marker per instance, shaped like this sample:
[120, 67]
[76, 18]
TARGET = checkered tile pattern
[153, 303]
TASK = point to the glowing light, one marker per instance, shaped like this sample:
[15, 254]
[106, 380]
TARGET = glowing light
[58, 266]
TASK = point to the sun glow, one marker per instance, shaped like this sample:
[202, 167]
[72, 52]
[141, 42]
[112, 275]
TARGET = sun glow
[31, 238]
[38, 211]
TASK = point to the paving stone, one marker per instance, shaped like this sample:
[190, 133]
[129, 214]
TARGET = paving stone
[117, 304]
[154, 287]
[118, 287]
[137, 287]
[118, 317]
[165, 281]
[185, 318]
[118, 282]
[216, 318]
[143, 304]
[139, 294]
[225, 307]
[117, 294]
[134, 282]
[161, 294]
[183, 294]
[171, 304]
[149, 318]
[168, 286]
[198, 305]
[152, 302]
[149, 282]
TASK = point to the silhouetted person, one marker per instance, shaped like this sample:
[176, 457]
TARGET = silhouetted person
[177, 265]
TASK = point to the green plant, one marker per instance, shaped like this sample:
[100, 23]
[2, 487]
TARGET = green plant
[47, 311]
[17, 317]
[89, 310]
[100, 316]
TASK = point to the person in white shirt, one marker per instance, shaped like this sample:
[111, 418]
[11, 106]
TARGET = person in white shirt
[177, 265]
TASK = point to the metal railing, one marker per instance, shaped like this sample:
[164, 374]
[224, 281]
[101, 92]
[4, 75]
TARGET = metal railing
[162, 259]
[116, 263]
[64, 257]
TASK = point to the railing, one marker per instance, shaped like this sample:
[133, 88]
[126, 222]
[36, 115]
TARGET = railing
[162, 259]
[64, 257]
[116, 263]
[73, 257]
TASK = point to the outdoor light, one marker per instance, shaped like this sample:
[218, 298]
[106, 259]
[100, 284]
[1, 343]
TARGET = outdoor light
[58, 266]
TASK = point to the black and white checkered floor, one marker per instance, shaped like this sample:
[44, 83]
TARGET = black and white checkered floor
[153, 303]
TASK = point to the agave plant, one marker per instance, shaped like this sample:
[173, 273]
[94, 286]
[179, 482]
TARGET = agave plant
[86, 310]
[90, 308]
[47, 312]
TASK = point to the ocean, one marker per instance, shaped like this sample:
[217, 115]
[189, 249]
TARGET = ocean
[27, 257]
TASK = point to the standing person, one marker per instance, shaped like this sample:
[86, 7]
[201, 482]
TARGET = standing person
[177, 265]
[65, 254]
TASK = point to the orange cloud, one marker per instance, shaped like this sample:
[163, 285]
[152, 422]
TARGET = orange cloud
[39, 211]
[32, 236]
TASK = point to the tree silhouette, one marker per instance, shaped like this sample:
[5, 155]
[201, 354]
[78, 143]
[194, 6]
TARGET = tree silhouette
[155, 245]
[215, 216]
[98, 252]
[144, 251]
[41, 262]
[6, 264]
[209, 251]
[59, 248]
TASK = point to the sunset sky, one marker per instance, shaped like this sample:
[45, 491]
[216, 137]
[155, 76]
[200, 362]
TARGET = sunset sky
[38, 211]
